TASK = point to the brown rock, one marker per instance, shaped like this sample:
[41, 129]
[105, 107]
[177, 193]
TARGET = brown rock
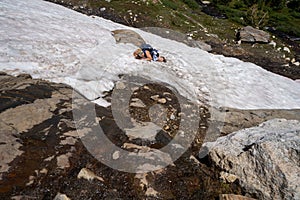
[233, 197]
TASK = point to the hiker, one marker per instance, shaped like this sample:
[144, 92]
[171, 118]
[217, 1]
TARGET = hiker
[147, 52]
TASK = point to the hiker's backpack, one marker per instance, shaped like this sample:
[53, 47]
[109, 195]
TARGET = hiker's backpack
[154, 53]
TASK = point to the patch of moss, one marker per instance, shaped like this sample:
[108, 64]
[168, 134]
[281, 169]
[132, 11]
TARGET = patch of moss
[170, 4]
[192, 4]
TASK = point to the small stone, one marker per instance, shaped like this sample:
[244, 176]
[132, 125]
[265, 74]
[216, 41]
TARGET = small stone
[49, 158]
[31, 180]
[172, 117]
[155, 97]
[88, 175]
[286, 49]
[206, 2]
[233, 197]
[293, 60]
[162, 100]
[44, 171]
[116, 155]
[63, 161]
[194, 159]
[146, 87]
[226, 177]
[137, 103]
[68, 141]
[60, 196]
[272, 43]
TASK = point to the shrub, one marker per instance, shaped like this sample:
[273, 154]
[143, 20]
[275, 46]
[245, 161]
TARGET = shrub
[170, 4]
[257, 17]
[237, 4]
[192, 4]
[294, 5]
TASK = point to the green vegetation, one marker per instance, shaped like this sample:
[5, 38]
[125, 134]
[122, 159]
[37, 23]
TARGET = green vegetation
[186, 17]
[192, 4]
[282, 14]
[170, 4]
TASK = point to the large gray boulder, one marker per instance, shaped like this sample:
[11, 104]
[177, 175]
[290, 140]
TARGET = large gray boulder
[252, 35]
[264, 159]
[128, 36]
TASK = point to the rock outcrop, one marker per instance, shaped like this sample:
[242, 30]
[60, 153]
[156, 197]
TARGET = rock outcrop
[42, 157]
[128, 36]
[252, 35]
[264, 159]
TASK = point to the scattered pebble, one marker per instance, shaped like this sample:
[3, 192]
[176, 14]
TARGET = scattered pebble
[135, 102]
[49, 158]
[63, 161]
[227, 178]
[272, 43]
[60, 196]
[88, 175]
[286, 49]
[296, 63]
[44, 171]
[116, 155]
[31, 180]
[162, 100]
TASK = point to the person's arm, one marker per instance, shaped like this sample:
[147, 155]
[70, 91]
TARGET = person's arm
[148, 55]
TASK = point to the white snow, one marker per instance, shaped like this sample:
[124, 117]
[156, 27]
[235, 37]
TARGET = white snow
[54, 43]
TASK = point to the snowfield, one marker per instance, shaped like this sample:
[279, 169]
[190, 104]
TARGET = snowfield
[54, 43]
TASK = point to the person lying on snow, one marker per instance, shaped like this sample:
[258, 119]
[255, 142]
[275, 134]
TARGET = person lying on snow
[147, 52]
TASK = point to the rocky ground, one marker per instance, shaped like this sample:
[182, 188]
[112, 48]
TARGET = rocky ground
[44, 154]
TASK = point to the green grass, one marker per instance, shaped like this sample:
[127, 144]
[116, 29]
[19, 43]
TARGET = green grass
[192, 4]
[285, 20]
[170, 4]
[173, 15]
[233, 14]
